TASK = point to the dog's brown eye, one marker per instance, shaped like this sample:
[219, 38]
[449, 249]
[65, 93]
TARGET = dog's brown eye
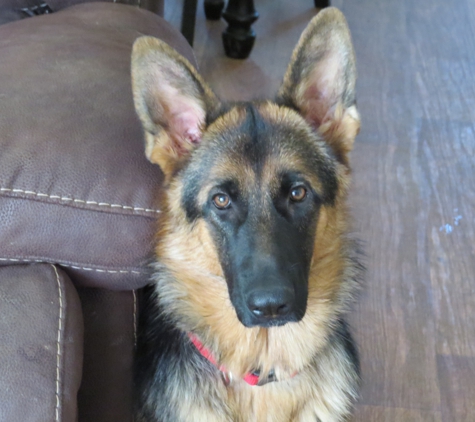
[221, 201]
[298, 194]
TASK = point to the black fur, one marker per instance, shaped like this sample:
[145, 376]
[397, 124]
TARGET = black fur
[162, 355]
[342, 334]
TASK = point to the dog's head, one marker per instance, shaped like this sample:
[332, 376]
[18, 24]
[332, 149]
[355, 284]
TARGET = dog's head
[252, 188]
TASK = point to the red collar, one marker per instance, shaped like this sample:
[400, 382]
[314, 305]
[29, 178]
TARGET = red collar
[252, 378]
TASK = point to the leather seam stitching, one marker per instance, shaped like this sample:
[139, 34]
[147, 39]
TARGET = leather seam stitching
[135, 318]
[79, 201]
[72, 266]
[58, 345]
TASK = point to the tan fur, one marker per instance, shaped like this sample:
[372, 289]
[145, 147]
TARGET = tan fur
[340, 132]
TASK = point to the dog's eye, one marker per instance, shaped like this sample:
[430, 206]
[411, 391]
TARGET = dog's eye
[298, 194]
[221, 201]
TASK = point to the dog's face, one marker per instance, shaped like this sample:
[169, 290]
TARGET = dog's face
[254, 177]
[258, 181]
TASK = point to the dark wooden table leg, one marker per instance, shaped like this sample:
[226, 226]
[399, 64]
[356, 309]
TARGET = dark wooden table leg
[214, 9]
[188, 19]
[320, 4]
[239, 37]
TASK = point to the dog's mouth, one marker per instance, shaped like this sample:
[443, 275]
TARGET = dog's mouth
[273, 323]
[249, 319]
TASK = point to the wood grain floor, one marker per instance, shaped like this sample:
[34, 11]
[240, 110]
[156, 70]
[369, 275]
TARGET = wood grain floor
[414, 188]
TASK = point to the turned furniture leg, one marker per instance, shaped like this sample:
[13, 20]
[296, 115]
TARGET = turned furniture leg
[320, 4]
[188, 19]
[239, 37]
[214, 9]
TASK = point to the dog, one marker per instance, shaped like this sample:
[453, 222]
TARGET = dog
[255, 265]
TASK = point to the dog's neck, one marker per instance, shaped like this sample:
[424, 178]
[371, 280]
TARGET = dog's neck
[252, 378]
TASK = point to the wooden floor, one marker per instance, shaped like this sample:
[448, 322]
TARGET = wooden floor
[414, 188]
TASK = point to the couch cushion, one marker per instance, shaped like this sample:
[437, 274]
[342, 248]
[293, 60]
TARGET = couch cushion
[75, 186]
[41, 337]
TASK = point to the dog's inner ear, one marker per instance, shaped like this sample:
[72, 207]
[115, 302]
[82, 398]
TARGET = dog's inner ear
[320, 81]
[171, 100]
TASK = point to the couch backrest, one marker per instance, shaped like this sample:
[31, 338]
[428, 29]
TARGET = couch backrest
[75, 186]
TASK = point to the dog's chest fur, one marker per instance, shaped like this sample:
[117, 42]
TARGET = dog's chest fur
[317, 393]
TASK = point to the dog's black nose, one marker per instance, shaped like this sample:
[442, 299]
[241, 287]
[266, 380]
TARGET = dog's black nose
[271, 304]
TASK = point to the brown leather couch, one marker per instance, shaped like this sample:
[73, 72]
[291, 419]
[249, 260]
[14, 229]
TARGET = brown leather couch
[78, 202]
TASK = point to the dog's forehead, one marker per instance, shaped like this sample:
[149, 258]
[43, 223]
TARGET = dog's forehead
[255, 146]
[261, 140]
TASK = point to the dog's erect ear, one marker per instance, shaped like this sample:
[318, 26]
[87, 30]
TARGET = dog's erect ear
[171, 100]
[320, 81]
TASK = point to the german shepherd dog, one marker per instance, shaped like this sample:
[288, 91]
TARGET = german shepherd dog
[254, 267]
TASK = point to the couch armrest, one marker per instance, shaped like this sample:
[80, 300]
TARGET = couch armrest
[41, 342]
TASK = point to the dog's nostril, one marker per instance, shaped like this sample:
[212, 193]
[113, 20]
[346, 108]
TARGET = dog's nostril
[270, 304]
